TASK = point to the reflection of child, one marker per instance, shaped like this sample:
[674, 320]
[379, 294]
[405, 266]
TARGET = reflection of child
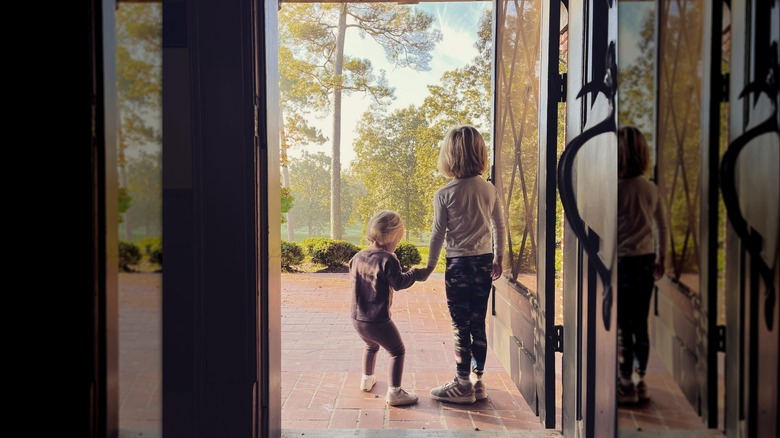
[467, 212]
[640, 260]
[375, 273]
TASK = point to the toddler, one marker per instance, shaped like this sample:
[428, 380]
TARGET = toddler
[375, 274]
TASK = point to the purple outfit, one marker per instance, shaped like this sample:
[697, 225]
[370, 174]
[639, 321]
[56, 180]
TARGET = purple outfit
[375, 274]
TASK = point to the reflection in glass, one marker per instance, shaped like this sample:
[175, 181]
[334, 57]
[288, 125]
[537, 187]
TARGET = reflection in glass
[517, 101]
[724, 142]
[678, 139]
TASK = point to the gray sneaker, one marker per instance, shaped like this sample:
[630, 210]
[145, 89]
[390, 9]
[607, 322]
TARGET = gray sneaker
[400, 398]
[454, 392]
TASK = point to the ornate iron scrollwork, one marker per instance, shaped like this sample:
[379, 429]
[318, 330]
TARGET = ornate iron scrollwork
[587, 236]
[750, 237]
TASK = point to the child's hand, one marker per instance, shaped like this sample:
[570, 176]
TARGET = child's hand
[423, 273]
[497, 267]
[658, 270]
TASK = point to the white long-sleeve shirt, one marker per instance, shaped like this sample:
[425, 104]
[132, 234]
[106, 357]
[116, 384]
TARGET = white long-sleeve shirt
[641, 219]
[467, 212]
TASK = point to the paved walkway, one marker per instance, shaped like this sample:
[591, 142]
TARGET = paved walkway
[321, 369]
[321, 364]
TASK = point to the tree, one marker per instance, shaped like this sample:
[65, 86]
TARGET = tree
[299, 96]
[295, 132]
[636, 98]
[387, 151]
[139, 84]
[310, 186]
[144, 181]
[352, 190]
[287, 202]
[463, 95]
[315, 33]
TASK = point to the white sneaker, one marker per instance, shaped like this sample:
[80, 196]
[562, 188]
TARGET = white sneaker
[400, 397]
[367, 382]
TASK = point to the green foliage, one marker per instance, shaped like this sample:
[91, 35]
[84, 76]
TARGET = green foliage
[309, 243]
[124, 203]
[292, 254]
[386, 162]
[287, 202]
[129, 254]
[441, 265]
[139, 71]
[150, 244]
[333, 252]
[144, 184]
[636, 98]
[315, 71]
[310, 186]
[156, 256]
[408, 255]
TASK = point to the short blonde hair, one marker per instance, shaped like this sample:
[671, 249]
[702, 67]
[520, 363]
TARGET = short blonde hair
[463, 153]
[385, 227]
[633, 152]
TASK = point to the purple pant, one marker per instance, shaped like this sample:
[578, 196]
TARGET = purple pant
[385, 335]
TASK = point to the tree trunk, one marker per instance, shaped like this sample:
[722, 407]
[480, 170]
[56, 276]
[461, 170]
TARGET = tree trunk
[285, 174]
[122, 161]
[335, 165]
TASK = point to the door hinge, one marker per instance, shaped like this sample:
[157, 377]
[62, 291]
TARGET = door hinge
[724, 87]
[721, 338]
[557, 338]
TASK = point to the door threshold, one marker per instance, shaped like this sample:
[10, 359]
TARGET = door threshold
[417, 433]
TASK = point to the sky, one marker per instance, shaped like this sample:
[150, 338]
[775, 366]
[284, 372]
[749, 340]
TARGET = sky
[458, 23]
[630, 17]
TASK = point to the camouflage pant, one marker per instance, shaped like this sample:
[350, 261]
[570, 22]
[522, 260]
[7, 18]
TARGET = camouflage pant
[468, 282]
[635, 289]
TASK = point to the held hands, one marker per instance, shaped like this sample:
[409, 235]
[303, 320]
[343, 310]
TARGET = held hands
[422, 274]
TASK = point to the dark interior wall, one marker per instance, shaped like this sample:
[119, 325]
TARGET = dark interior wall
[210, 283]
[64, 239]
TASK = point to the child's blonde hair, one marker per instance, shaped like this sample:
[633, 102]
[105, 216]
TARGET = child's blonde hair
[384, 228]
[463, 153]
[633, 152]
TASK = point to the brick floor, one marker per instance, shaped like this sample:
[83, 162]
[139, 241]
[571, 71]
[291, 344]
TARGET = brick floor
[320, 379]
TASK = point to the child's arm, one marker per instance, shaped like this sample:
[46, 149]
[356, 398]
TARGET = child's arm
[499, 237]
[438, 231]
[395, 278]
[422, 274]
[661, 238]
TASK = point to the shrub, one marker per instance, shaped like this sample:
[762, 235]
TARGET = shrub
[292, 254]
[150, 245]
[309, 243]
[408, 255]
[155, 256]
[129, 254]
[441, 265]
[331, 252]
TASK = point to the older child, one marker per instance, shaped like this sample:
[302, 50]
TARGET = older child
[641, 248]
[376, 273]
[467, 213]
